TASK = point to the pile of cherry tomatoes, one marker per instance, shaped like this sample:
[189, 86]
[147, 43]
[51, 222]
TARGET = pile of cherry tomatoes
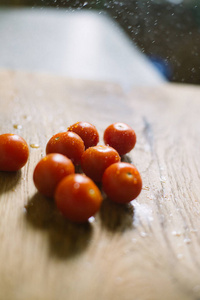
[76, 193]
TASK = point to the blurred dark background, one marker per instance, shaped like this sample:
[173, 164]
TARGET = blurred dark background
[168, 32]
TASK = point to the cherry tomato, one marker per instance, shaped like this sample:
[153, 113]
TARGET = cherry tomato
[67, 143]
[96, 159]
[87, 132]
[122, 182]
[49, 171]
[78, 198]
[14, 152]
[121, 137]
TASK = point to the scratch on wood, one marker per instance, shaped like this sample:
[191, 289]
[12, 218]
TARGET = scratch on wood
[148, 133]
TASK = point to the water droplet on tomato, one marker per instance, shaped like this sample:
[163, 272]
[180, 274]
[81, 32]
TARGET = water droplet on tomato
[91, 219]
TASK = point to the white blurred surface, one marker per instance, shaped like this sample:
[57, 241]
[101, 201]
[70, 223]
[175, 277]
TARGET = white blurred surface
[81, 44]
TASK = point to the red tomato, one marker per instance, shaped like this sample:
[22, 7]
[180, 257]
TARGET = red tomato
[96, 159]
[50, 171]
[121, 137]
[67, 143]
[87, 132]
[14, 152]
[122, 182]
[78, 198]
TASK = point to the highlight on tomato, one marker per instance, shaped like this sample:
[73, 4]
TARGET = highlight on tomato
[87, 132]
[78, 198]
[67, 143]
[49, 171]
[122, 182]
[121, 137]
[96, 159]
[14, 152]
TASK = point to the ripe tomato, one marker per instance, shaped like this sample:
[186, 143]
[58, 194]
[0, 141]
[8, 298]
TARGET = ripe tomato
[96, 159]
[78, 198]
[121, 137]
[87, 132]
[67, 143]
[49, 171]
[14, 152]
[122, 182]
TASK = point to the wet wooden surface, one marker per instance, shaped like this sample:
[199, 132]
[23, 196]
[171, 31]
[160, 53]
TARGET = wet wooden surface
[147, 250]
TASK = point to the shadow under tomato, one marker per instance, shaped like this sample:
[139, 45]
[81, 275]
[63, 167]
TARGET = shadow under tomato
[66, 239]
[8, 180]
[116, 217]
[126, 158]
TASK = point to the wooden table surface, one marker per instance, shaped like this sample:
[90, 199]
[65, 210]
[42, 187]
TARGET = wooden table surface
[148, 250]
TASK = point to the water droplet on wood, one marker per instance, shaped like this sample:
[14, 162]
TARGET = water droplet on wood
[35, 146]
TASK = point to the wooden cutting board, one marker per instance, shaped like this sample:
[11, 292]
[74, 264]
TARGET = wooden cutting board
[148, 250]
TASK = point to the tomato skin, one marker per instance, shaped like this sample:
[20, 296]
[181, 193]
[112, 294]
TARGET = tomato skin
[121, 137]
[78, 198]
[87, 132]
[49, 171]
[67, 143]
[122, 182]
[14, 152]
[96, 159]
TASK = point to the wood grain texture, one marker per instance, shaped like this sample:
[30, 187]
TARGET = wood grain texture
[148, 250]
